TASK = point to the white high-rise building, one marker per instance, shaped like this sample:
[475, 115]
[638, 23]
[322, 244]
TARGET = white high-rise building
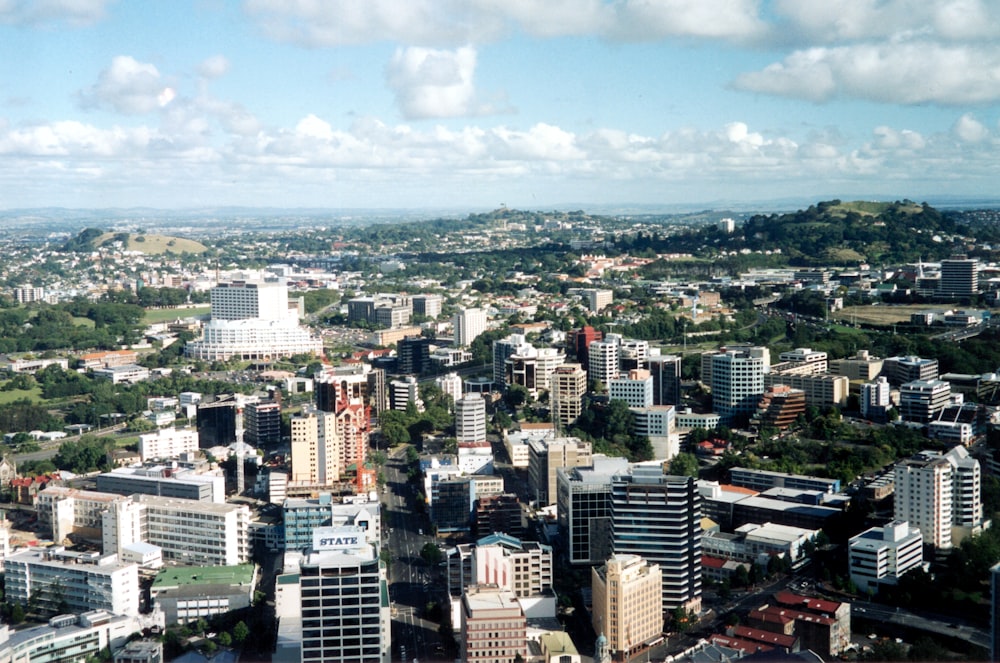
[940, 494]
[468, 324]
[875, 397]
[514, 344]
[450, 385]
[603, 358]
[252, 320]
[737, 380]
[470, 419]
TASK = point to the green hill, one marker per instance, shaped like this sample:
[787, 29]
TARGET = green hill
[847, 233]
[152, 244]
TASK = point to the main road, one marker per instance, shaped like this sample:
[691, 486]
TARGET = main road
[412, 582]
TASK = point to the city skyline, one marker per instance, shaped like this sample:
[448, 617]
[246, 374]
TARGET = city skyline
[478, 103]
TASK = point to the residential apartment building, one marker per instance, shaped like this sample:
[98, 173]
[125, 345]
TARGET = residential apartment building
[627, 603]
[925, 495]
[875, 399]
[470, 419]
[821, 390]
[603, 361]
[317, 450]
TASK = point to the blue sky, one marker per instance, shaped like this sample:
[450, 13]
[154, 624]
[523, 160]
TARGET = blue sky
[473, 103]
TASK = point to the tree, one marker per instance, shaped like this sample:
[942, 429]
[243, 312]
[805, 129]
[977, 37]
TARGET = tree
[516, 396]
[240, 631]
[684, 465]
[225, 639]
[431, 554]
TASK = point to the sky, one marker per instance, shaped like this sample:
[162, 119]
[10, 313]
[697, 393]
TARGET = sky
[533, 104]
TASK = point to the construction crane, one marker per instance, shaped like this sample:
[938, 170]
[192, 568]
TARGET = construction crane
[240, 471]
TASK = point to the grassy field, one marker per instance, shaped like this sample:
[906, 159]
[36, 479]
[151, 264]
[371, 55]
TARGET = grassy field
[870, 207]
[34, 395]
[881, 315]
[157, 244]
[152, 316]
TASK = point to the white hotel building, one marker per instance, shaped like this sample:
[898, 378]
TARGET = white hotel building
[252, 320]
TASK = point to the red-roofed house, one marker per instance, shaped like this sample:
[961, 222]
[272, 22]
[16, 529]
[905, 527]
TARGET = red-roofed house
[786, 643]
[822, 626]
[745, 646]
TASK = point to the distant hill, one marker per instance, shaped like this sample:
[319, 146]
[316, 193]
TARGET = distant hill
[834, 232]
[91, 238]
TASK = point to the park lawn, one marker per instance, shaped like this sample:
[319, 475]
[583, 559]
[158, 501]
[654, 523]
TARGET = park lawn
[882, 314]
[83, 322]
[34, 395]
[155, 315]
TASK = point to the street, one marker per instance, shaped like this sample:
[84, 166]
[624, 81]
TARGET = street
[412, 583]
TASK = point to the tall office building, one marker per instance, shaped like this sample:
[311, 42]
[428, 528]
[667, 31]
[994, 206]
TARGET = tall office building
[578, 343]
[317, 451]
[413, 354]
[468, 324]
[635, 388]
[503, 349]
[584, 508]
[470, 419]
[253, 320]
[627, 604]
[603, 358]
[738, 383]
[428, 306]
[921, 401]
[900, 370]
[959, 277]
[598, 299]
[666, 372]
[493, 626]
[546, 456]
[658, 517]
[344, 600]
[940, 494]
[263, 423]
[567, 389]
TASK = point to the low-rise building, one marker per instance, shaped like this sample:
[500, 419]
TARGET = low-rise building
[881, 555]
[186, 594]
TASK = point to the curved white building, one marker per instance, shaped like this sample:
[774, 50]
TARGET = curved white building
[252, 320]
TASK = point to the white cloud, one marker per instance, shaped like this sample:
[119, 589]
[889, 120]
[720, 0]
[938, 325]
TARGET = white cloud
[34, 12]
[832, 21]
[450, 22]
[970, 130]
[129, 86]
[214, 67]
[911, 72]
[194, 152]
[431, 83]
[654, 19]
